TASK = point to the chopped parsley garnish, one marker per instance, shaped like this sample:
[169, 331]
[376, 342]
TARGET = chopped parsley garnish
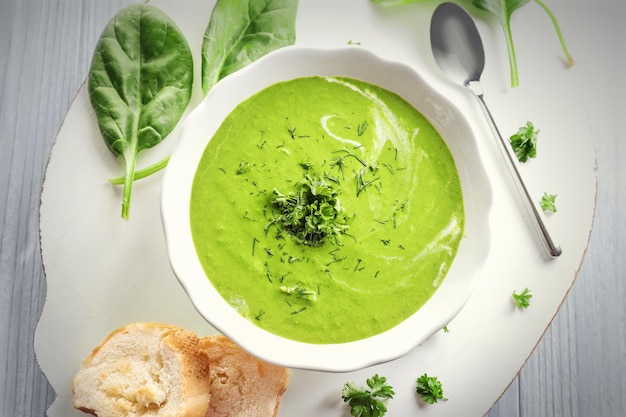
[429, 389]
[311, 213]
[368, 402]
[522, 300]
[524, 142]
[548, 203]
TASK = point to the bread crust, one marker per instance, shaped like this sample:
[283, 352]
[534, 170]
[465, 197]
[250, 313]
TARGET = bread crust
[145, 369]
[242, 385]
[151, 369]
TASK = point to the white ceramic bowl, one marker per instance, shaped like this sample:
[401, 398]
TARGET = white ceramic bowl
[354, 62]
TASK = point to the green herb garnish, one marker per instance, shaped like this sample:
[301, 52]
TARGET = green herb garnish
[522, 300]
[524, 142]
[429, 389]
[292, 130]
[362, 183]
[306, 165]
[268, 272]
[340, 161]
[358, 262]
[298, 291]
[548, 203]
[361, 128]
[300, 310]
[366, 402]
[243, 168]
[311, 213]
[254, 242]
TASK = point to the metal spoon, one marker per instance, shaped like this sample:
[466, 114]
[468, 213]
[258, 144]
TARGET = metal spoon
[458, 50]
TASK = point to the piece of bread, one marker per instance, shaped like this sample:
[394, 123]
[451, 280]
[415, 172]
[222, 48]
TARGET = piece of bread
[145, 369]
[242, 385]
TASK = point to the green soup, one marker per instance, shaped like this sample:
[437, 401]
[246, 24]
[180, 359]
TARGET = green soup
[396, 198]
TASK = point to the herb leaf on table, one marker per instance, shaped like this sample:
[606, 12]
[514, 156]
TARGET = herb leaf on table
[139, 84]
[242, 31]
[522, 300]
[548, 203]
[524, 142]
[368, 402]
[429, 388]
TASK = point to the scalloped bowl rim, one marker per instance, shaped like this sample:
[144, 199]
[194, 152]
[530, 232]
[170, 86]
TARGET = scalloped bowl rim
[433, 99]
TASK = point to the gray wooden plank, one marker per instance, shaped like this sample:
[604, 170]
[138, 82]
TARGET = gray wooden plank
[545, 381]
[45, 49]
[508, 405]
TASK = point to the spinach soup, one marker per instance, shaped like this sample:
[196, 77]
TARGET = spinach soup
[326, 209]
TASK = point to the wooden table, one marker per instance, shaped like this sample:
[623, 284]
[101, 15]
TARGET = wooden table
[578, 367]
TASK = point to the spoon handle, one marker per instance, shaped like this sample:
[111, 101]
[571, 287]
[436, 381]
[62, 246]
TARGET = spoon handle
[553, 249]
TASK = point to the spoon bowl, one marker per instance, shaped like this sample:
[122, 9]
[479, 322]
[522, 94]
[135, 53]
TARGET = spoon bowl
[458, 50]
[457, 46]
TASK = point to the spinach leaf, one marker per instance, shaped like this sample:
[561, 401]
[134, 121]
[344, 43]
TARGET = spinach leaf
[242, 31]
[139, 84]
[503, 9]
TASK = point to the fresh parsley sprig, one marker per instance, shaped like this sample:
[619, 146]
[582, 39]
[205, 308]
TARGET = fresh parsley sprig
[524, 142]
[311, 213]
[366, 402]
[429, 389]
[522, 300]
[548, 203]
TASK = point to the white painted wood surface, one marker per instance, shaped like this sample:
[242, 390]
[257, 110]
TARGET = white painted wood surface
[578, 368]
